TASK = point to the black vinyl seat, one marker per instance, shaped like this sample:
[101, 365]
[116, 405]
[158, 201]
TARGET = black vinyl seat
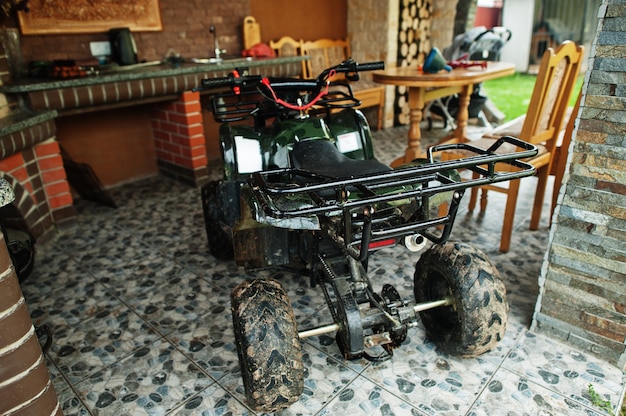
[321, 157]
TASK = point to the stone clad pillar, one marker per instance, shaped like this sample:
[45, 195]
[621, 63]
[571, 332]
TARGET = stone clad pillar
[582, 295]
[25, 386]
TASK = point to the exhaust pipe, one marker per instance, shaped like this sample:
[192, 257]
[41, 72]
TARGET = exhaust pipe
[415, 242]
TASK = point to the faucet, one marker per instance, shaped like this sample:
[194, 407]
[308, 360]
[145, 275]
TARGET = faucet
[216, 45]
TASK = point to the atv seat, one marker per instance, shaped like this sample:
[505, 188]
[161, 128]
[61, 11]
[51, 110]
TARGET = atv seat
[321, 157]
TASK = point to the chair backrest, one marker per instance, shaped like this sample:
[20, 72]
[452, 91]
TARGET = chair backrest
[561, 152]
[288, 46]
[553, 88]
[324, 53]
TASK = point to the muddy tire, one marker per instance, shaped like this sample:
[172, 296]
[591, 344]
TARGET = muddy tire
[477, 320]
[270, 354]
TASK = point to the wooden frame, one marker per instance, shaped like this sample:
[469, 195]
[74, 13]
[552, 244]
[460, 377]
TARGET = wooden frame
[85, 16]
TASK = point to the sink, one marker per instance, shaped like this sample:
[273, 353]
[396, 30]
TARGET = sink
[124, 68]
[209, 61]
[205, 60]
[114, 68]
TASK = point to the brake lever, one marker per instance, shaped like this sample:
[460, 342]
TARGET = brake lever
[352, 76]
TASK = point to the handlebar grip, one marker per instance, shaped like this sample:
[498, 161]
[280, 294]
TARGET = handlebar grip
[371, 66]
[210, 83]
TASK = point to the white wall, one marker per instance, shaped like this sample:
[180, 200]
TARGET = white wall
[517, 15]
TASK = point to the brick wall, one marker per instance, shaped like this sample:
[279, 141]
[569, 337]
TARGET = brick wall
[185, 29]
[583, 281]
[42, 193]
[31, 162]
[178, 132]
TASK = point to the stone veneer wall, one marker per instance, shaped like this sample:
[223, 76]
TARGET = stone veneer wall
[371, 28]
[583, 282]
[377, 30]
[442, 27]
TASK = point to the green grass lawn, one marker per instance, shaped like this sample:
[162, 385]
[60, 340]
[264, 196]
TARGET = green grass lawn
[511, 94]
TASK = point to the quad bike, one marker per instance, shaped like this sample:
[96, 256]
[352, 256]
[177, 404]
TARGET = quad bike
[302, 191]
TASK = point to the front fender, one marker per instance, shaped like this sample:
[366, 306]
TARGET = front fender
[254, 210]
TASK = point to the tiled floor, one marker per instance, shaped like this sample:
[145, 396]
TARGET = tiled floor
[141, 322]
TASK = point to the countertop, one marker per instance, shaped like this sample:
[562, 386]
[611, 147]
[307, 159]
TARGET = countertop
[21, 119]
[142, 71]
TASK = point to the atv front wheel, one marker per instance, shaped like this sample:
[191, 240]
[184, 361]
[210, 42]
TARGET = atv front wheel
[476, 320]
[270, 354]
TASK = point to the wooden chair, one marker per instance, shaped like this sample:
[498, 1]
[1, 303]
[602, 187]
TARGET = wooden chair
[327, 52]
[288, 46]
[561, 154]
[541, 125]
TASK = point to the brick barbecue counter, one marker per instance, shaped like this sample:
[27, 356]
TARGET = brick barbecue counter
[31, 162]
[30, 156]
[137, 83]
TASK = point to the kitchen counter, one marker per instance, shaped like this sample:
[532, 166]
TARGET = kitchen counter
[137, 83]
[23, 129]
[19, 120]
[143, 71]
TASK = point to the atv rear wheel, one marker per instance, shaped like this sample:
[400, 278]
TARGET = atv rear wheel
[476, 321]
[270, 354]
[220, 243]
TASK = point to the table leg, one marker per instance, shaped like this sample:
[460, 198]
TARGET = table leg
[414, 146]
[463, 114]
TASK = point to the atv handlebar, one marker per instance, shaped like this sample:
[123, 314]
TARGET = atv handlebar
[231, 81]
[238, 79]
[351, 68]
[370, 66]
[266, 97]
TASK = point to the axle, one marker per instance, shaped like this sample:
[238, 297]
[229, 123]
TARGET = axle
[325, 329]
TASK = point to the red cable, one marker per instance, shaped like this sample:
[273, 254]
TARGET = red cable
[266, 82]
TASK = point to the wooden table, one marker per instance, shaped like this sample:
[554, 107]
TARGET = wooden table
[424, 87]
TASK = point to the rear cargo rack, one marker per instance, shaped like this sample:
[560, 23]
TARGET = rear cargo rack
[320, 195]
[430, 176]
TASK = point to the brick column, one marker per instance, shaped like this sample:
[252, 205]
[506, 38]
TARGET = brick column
[25, 386]
[43, 195]
[30, 160]
[54, 180]
[179, 140]
[30, 198]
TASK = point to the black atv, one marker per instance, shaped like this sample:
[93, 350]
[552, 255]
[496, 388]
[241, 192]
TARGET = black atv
[302, 191]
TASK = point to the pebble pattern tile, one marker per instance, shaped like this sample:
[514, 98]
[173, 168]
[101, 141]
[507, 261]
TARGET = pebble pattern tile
[140, 315]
